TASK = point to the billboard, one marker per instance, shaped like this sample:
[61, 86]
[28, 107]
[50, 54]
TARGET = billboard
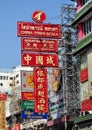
[38, 30]
[40, 45]
[45, 60]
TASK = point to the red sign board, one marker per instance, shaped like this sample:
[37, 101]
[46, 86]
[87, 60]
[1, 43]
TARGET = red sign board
[39, 16]
[38, 30]
[41, 100]
[40, 45]
[86, 105]
[3, 96]
[27, 95]
[84, 75]
[46, 60]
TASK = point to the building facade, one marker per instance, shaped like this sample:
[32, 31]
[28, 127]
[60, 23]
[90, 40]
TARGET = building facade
[83, 23]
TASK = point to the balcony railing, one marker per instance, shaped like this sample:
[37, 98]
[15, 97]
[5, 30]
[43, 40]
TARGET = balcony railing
[83, 118]
[84, 42]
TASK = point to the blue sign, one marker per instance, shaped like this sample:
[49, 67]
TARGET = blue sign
[33, 115]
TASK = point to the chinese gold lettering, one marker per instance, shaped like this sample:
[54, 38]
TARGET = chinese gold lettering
[50, 60]
[27, 59]
[39, 60]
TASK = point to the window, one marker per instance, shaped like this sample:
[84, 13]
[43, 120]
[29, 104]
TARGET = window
[85, 1]
[88, 26]
[17, 82]
[83, 61]
[1, 84]
[11, 78]
[17, 75]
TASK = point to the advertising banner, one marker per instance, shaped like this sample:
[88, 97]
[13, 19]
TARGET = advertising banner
[41, 94]
[27, 81]
[33, 115]
[45, 60]
[28, 105]
[27, 95]
[40, 45]
[38, 30]
[55, 79]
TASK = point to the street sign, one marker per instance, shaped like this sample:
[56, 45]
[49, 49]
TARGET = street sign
[45, 60]
[39, 45]
[38, 30]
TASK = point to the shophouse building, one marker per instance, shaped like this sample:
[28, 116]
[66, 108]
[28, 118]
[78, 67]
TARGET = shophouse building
[83, 23]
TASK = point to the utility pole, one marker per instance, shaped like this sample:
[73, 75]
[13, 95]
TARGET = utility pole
[13, 103]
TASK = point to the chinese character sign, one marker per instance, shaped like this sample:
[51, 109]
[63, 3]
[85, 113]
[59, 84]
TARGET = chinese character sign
[45, 60]
[39, 45]
[41, 90]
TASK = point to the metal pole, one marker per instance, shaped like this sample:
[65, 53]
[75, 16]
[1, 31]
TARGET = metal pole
[65, 123]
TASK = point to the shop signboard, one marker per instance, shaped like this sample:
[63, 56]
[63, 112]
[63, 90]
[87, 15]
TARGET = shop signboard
[86, 105]
[84, 75]
[33, 115]
[27, 95]
[38, 30]
[39, 45]
[36, 60]
[28, 105]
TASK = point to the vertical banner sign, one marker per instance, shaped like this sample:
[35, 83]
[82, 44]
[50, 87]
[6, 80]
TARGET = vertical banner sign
[41, 95]
[3, 98]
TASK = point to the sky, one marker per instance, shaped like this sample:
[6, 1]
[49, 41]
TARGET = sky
[12, 11]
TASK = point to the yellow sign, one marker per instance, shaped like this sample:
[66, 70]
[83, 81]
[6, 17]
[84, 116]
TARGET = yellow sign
[2, 114]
